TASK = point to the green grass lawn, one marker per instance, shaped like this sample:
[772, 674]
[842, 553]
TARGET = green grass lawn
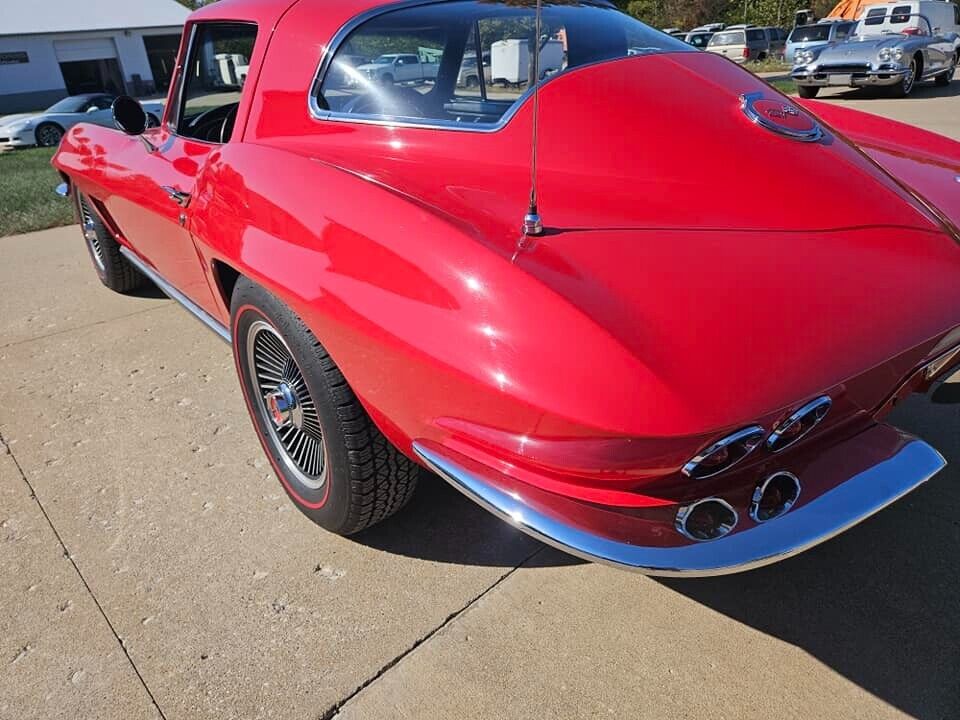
[787, 87]
[27, 200]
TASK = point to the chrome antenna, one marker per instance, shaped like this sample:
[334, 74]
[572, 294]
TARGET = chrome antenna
[532, 224]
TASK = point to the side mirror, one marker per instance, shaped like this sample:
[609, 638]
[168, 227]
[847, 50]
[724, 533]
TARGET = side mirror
[129, 115]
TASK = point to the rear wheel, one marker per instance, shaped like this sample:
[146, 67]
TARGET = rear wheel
[944, 78]
[333, 462]
[113, 269]
[807, 91]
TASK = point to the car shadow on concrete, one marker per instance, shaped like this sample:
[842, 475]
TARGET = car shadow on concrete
[442, 525]
[879, 604]
[148, 291]
[921, 91]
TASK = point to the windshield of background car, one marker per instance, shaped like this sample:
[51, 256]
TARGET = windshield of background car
[728, 38]
[449, 85]
[700, 40]
[68, 105]
[810, 33]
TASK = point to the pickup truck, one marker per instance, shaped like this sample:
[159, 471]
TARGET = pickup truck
[400, 68]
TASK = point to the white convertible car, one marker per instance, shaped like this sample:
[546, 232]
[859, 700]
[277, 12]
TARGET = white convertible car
[46, 128]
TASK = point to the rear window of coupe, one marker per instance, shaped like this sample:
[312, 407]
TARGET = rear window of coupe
[420, 64]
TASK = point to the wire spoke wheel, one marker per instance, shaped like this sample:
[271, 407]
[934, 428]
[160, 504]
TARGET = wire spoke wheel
[910, 77]
[288, 409]
[90, 232]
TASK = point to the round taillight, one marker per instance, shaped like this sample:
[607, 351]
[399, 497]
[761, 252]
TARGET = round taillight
[774, 496]
[706, 519]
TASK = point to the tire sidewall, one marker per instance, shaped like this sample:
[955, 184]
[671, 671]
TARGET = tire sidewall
[45, 125]
[329, 505]
[100, 230]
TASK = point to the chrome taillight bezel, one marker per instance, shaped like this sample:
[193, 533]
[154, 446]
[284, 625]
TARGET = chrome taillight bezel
[809, 416]
[743, 442]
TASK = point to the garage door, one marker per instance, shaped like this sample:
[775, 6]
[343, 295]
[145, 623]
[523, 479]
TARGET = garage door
[86, 49]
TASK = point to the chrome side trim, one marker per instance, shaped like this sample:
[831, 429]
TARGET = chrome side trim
[170, 291]
[829, 515]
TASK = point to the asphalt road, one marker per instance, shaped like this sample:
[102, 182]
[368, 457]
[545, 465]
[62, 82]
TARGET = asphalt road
[150, 565]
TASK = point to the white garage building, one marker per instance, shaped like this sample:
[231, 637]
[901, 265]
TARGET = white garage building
[55, 48]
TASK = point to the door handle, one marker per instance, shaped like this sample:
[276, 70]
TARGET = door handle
[178, 196]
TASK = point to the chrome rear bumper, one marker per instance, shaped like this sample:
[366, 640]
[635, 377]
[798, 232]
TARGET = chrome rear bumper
[867, 492]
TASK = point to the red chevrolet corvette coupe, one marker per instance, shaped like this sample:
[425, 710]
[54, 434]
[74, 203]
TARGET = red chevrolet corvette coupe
[478, 236]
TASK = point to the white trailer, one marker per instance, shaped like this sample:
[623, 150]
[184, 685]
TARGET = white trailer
[510, 60]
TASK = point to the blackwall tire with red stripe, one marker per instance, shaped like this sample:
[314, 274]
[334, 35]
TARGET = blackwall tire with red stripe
[333, 462]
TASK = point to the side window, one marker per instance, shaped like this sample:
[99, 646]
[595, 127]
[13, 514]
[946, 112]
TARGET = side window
[956, 14]
[875, 16]
[471, 60]
[900, 15]
[212, 80]
[843, 29]
[755, 36]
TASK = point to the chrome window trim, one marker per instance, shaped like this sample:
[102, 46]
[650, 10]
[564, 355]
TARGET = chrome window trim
[330, 51]
[688, 469]
[181, 76]
[797, 416]
[175, 109]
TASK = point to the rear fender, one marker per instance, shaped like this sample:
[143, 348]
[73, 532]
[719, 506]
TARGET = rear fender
[924, 163]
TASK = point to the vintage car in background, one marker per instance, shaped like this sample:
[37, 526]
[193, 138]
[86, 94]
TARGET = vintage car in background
[889, 47]
[46, 128]
[816, 36]
[609, 349]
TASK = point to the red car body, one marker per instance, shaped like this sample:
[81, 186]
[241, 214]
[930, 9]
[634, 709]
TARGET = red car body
[565, 380]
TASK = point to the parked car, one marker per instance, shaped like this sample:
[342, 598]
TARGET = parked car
[699, 38]
[741, 44]
[393, 68]
[46, 128]
[816, 36]
[776, 42]
[675, 32]
[469, 76]
[889, 47]
[685, 385]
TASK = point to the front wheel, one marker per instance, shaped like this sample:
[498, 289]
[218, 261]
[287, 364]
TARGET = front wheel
[48, 134]
[807, 91]
[333, 462]
[113, 269]
[905, 86]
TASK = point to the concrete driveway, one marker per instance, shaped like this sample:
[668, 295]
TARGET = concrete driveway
[150, 565]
